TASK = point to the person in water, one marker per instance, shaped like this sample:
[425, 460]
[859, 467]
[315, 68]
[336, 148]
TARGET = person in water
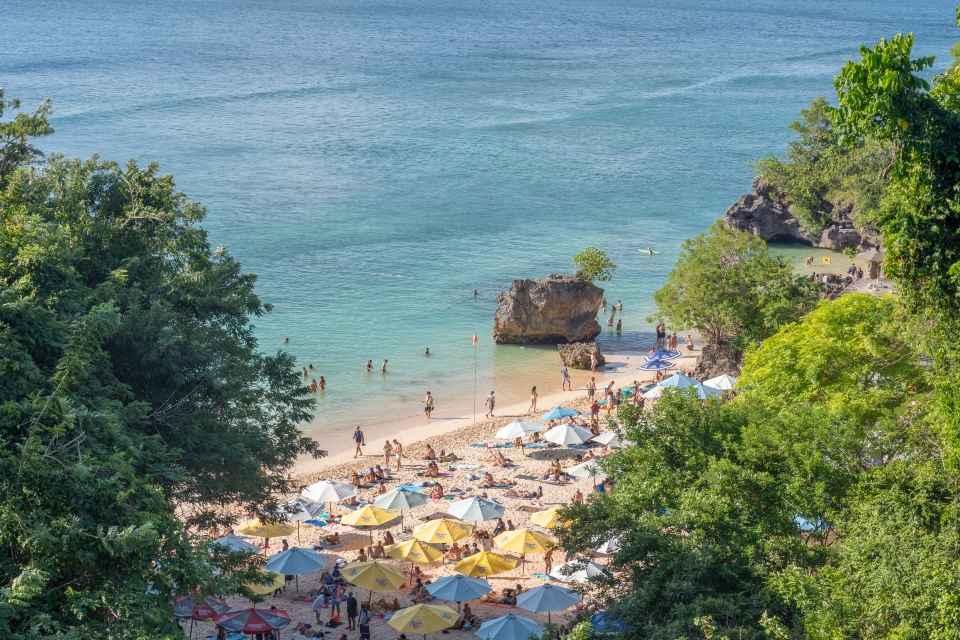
[323, 384]
[426, 351]
[369, 365]
[474, 293]
[285, 341]
[313, 386]
[383, 367]
[619, 325]
[610, 321]
[649, 251]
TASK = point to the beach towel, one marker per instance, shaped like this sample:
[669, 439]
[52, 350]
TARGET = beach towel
[411, 487]
[462, 467]
[536, 445]
[542, 576]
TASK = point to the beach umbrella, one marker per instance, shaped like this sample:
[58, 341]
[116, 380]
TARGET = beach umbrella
[546, 519]
[255, 527]
[547, 597]
[400, 499]
[656, 365]
[199, 608]
[680, 381]
[295, 561]
[329, 491]
[277, 581]
[663, 354]
[558, 413]
[373, 576]
[443, 531]
[610, 546]
[458, 588]
[234, 543]
[518, 429]
[724, 382]
[301, 510]
[510, 627]
[609, 439]
[578, 571]
[568, 434]
[414, 551]
[368, 516]
[253, 620]
[476, 508]
[423, 618]
[524, 541]
[485, 563]
[588, 469]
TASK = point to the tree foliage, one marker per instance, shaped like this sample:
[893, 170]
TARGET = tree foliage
[821, 180]
[135, 407]
[16, 148]
[594, 264]
[726, 283]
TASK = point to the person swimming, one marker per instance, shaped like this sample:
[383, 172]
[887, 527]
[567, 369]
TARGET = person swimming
[426, 351]
[285, 341]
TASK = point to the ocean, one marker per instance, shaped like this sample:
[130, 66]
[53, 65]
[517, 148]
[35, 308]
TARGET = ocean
[376, 161]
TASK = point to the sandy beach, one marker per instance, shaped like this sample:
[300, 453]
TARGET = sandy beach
[452, 432]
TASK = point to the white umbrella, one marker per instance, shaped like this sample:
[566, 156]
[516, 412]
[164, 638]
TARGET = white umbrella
[724, 382]
[610, 546]
[236, 544]
[588, 469]
[476, 508]
[547, 597]
[568, 434]
[579, 571]
[608, 438]
[518, 429]
[329, 491]
[510, 627]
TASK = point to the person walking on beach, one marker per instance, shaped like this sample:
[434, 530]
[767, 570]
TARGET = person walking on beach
[398, 452]
[358, 438]
[591, 387]
[533, 400]
[387, 452]
[565, 384]
[428, 405]
[383, 367]
[490, 404]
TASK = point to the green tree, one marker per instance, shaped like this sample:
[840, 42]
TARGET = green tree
[135, 406]
[819, 178]
[594, 264]
[15, 135]
[726, 284]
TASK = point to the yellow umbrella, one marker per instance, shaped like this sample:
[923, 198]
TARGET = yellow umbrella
[443, 531]
[546, 519]
[368, 516]
[266, 589]
[254, 527]
[414, 551]
[423, 618]
[373, 576]
[485, 563]
[524, 541]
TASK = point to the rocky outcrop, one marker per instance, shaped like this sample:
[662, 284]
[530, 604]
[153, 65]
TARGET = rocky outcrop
[577, 354]
[717, 359]
[767, 219]
[555, 310]
[771, 220]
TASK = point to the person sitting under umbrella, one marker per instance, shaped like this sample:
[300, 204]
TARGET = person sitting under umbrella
[500, 528]
[361, 556]
[332, 540]
[424, 595]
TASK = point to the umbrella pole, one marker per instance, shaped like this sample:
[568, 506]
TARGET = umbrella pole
[297, 578]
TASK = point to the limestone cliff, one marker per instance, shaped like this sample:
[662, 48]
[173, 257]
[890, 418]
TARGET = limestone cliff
[770, 220]
[555, 310]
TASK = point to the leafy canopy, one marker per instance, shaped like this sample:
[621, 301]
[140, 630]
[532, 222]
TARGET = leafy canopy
[594, 264]
[725, 283]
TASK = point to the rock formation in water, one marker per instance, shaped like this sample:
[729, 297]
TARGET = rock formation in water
[555, 310]
[770, 220]
[717, 359]
[576, 355]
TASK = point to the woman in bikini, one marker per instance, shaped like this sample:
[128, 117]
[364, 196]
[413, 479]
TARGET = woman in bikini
[533, 400]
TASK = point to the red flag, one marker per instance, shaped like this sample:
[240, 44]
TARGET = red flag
[474, 341]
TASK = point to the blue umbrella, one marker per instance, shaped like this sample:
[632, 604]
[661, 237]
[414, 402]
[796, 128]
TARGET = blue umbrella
[603, 624]
[458, 588]
[656, 365]
[663, 355]
[295, 561]
[559, 412]
[510, 627]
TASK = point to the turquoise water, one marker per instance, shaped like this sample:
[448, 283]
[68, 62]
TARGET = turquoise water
[376, 161]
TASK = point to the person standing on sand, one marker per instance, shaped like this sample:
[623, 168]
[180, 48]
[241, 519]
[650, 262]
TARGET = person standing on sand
[358, 438]
[352, 611]
[398, 452]
[533, 400]
[591, 387]
[369, 365]
[383, 367]
[490, 404]
[565, 379]
[387, 452]
[428, 405]
[548, 561]
[593, 364]
[578, 496]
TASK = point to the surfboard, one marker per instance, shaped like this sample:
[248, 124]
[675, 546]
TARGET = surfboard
[648, 252]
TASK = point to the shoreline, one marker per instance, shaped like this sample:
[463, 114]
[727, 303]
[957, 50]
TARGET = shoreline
[413, 430]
